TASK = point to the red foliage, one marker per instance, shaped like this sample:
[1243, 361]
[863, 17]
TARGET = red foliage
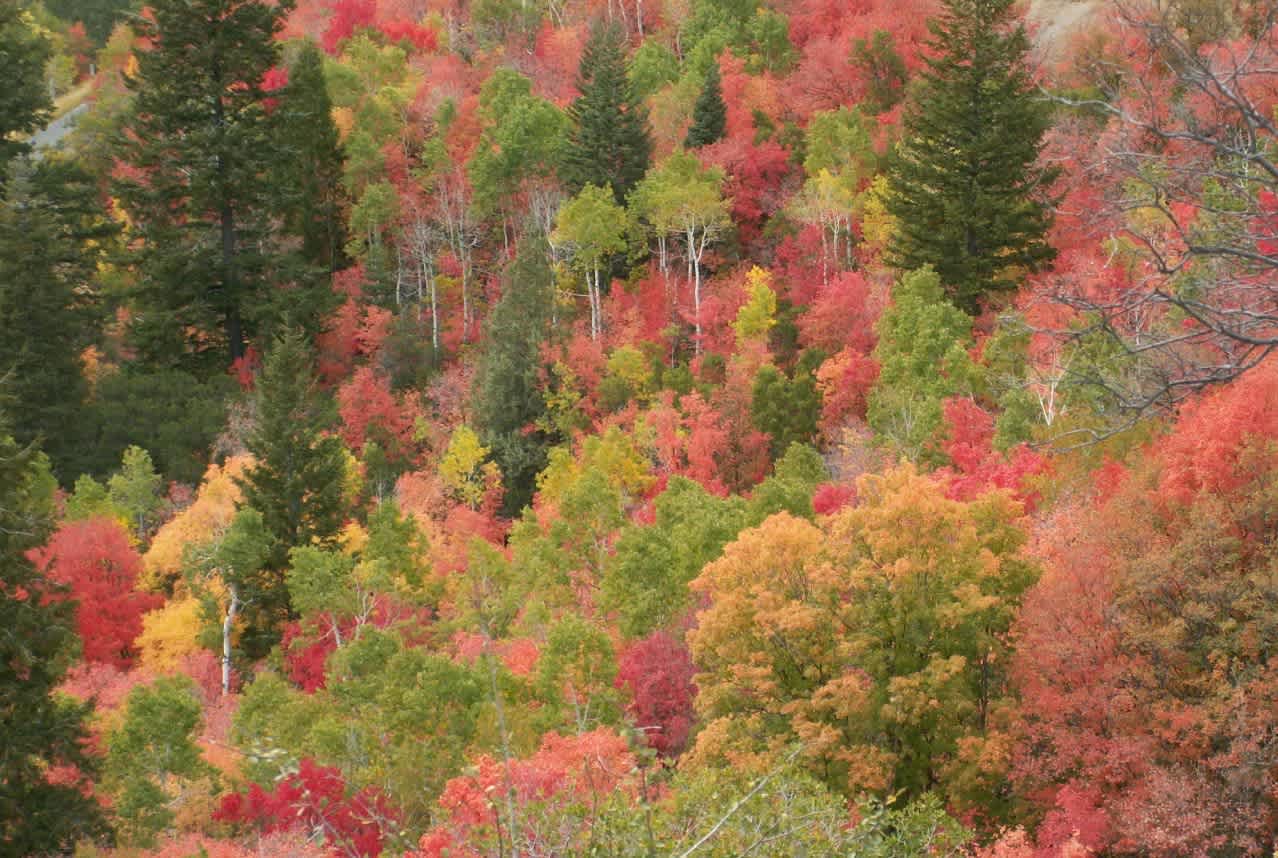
[845, 381]
[658, 672]
[421, 38]
[96, 562]
[348, 16]
[315, 799]
[564, 768]
[841, 314]
[306, 654]
[979, 468]
[370, 412]
[757, 181]
[831, 497]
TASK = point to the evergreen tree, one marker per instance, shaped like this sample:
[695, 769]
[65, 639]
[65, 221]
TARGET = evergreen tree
[508, 398]
[610, 144]
[314, 199]
[24, 99]
[201, 151]
[967, 195]
[37, 642]
[297, 479]
[53, 233]
[710, 114]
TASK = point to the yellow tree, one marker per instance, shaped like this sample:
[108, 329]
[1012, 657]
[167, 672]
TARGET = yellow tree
[877, 640]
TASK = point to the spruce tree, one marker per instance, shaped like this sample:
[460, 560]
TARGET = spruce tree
[710, 114]
[201, 153]
[24, 99]
[313, 198]
[297, 479]
[40, 729]
[508, 396]
[965, 190]
[610, 144]
[53, 234]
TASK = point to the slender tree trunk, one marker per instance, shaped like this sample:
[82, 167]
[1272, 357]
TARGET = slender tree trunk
[228, 623]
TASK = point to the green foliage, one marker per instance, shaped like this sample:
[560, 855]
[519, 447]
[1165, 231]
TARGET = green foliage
[299, 472]
[522, 145]
[40, 728]
[709, 114]
[24, 101]
[135, 489]
[592, 227]
[98, 16]
[609, 145]
[507, 397]
[790, 487]
[788, 409]
[203, 151]
[168, 412]
[646, 580]
[922, 355]
[652, 67]
[884, 70]
[840, 142]
[53, 236]
[313, 199]
[966, 192]
[89, 500]
[151, 750]
[576, 672]
[397, 717]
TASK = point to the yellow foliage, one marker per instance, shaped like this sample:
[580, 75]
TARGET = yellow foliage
[759, 313]
[877, 226]
[461, 468]
[169, 634]
[203, 520]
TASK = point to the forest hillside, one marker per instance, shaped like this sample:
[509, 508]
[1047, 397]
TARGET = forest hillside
[638, 428]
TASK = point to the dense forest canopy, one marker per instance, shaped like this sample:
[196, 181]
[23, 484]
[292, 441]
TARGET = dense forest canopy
[638, 428]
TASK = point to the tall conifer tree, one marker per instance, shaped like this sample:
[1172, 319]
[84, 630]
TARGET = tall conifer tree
[710, 114]
[24, 100]
[310, 182]
[966, 192]
[201, 153]
[610, 144]
[53, 234]
[297, 480]
[40, 730]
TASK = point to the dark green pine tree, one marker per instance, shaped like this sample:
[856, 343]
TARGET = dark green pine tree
[966, 190]
[297, 480]
[610, 144]
[40, 729]
[710, 114]
[313, 199]
[201, 154]
[24, 99]
[53, 234]
[508, 397]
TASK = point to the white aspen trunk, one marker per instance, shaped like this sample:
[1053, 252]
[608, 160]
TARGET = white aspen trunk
[228, 623]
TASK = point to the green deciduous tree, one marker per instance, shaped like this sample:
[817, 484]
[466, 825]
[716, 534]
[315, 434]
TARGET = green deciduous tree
[922, 355]
[609, 144]
[151, 752]
[684, 199]
[592, 228]
[966, 191]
